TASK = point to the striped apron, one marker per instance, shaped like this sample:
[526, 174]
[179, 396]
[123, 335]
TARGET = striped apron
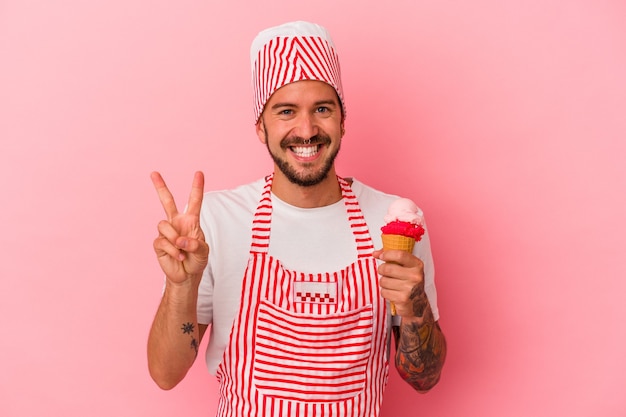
[306, 344]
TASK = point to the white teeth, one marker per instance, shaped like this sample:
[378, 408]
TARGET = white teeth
[305, 151]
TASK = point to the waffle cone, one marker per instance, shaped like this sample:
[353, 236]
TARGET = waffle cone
[398, 242]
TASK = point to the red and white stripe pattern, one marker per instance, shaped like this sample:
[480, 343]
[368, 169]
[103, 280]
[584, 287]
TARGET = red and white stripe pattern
[292, 358]
[292, 52]
[311, 357]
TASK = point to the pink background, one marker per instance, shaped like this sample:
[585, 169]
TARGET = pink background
[504, 120]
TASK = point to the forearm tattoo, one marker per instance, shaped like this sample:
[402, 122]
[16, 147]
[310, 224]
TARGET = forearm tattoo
[189, 328]
[421, 346]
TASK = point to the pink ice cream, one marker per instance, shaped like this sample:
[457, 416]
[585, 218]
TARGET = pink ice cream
[404, 218]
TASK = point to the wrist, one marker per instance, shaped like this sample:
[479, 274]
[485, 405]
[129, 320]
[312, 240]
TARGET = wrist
[414, 320]
[181, 292]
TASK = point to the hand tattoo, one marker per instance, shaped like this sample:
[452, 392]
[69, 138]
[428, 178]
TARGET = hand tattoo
[420, 301]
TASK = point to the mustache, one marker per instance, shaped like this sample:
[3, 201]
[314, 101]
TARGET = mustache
[318, 139]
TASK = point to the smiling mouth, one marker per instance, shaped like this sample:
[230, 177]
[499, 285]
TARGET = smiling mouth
[305, 151]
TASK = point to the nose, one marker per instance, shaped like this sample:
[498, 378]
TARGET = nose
[306, 126]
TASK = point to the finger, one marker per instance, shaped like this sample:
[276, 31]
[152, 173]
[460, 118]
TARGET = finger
[163, 247]
[166, 230]
[395, 271]
[397, 291]
[399, 257]
[391, 283]
[165, 196]
[190, 245]
[195, 197]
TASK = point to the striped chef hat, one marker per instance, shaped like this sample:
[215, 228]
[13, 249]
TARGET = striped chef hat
[292, 52]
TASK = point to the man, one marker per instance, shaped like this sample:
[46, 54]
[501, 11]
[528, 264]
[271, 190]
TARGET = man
[291, 286]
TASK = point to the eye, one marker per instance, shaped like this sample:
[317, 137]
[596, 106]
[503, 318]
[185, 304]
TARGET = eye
[323, 109]
[285, 112]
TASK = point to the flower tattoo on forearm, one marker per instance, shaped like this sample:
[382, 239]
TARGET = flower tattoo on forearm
[189, 328]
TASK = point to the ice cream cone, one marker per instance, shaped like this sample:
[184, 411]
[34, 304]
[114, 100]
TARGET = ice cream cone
[397, 242]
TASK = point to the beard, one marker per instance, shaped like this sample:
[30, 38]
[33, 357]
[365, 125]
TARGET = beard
[307, 179]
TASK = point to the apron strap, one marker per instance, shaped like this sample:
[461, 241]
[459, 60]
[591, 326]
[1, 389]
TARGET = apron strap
[263, 219]
[362, 238]
[261, 223]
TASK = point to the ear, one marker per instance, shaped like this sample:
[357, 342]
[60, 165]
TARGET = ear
[260, 130]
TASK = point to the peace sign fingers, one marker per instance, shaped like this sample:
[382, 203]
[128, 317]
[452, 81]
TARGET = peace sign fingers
[180, 246]
[165, 196]
[195, 196]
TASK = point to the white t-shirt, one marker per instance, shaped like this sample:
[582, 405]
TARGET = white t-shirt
[305, 240]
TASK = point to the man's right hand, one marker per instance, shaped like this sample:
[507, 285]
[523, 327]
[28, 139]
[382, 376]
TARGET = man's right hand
[180, 247]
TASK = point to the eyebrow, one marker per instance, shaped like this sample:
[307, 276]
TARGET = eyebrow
[317, 103]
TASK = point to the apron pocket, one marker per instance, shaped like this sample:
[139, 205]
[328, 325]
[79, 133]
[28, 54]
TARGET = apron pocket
[311, 358]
